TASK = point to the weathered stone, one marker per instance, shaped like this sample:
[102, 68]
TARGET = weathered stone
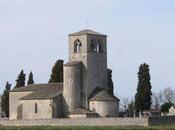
[83, 74]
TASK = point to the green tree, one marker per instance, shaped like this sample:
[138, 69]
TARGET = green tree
[166, 106]
[20, 82]
[5, 99]
[143, 95]
[131, 108]
[110, 82]
[30, 80]
[57, 72]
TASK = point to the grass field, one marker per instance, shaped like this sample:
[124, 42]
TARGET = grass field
[172, 127]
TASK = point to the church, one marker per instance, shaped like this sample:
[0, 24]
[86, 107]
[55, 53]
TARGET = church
[84, 91]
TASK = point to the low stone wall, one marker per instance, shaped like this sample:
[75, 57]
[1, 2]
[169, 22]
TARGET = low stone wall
[161, 120]
[91, 122]
[78, 122]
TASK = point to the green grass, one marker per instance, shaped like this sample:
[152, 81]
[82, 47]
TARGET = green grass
[170, 127]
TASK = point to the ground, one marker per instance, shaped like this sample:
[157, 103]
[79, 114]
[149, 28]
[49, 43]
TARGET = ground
[169, 127]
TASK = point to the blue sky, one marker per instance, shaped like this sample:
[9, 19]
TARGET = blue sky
[33, 35]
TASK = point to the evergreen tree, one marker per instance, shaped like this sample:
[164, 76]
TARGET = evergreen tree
[30, 80]
[110, 82]
[143, 95]
[20, 82]
[5, 99]
[57, 72]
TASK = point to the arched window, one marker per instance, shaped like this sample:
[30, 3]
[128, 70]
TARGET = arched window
[93, 110]
[99, 46]
[93, 46]
[77, 46]
[36, 108]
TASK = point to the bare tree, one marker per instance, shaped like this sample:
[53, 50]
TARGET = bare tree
[157, 100]
[124, 103]
[168, 95]
[131, 108]
[165, 96]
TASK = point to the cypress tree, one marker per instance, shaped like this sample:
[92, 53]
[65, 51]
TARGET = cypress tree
[20, 82]
[30, 80]
[57, 72]
[110, 82]
[5, 99]
[143, 95]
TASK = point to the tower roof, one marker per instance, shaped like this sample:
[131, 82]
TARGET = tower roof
[102, 95]
[81, 111]
[85, 32]
[72, 63]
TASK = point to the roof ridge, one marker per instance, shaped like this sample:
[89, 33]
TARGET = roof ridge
[86, 31]
[103, 95]
[44, 83]
[35, 87]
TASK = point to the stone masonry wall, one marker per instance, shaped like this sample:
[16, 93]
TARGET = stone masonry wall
[161, 120]
[91, 122]
[15, 102]
[44, 109]
[78, 122]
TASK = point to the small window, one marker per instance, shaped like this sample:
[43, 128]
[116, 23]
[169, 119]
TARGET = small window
[77, 46]
[70, 81]
[99, 47]
[36, 108]
[93, 110]
[96, 46]
[92, 45]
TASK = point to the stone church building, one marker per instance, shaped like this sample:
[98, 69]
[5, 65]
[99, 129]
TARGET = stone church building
[83, 93]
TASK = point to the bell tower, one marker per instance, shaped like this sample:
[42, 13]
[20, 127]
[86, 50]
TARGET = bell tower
[89, 48]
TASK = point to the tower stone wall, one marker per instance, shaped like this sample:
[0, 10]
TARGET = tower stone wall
[72, 86]
[94, 62]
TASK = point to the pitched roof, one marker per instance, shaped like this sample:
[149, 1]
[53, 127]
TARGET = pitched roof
[85, 32]
[103, 95]
[33, 87]
[47, 92]
[81, 111]
[72, 63]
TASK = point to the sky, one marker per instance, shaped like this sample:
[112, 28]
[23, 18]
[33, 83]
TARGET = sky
[34, 34]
